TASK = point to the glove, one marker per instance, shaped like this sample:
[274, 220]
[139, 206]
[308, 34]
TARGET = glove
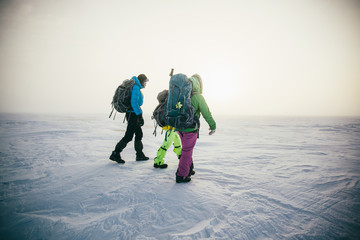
[211, 131]
[140, 120]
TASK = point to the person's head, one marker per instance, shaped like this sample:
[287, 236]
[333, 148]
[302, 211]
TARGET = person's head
[143, 79]
[197, 83]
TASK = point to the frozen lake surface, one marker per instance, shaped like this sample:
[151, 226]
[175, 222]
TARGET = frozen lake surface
[256, 178]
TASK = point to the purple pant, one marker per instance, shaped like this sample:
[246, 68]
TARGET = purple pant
[188, 141]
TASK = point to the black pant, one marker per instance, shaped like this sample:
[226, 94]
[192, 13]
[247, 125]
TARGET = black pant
[133, 128]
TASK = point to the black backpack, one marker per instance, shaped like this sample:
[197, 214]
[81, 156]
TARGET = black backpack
[159, 113]
[122, 98]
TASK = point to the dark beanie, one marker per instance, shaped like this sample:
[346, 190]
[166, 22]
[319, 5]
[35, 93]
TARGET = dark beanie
[142, 78]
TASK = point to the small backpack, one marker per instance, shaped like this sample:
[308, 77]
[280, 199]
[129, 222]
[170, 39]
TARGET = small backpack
[180, 112]
[122, 98]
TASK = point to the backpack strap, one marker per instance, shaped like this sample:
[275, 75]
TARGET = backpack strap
[155, 128]
[111, 112]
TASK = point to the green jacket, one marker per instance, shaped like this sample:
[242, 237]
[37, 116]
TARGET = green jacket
[199, 104]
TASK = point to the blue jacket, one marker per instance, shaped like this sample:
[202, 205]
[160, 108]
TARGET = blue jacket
[136, 97]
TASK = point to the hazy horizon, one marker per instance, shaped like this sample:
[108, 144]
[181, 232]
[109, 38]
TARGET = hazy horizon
[258, 58]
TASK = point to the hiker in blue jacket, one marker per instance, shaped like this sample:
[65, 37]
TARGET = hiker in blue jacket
[135, 122]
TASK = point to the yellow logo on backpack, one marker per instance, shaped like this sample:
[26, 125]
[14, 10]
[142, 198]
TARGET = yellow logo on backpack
[179, 105]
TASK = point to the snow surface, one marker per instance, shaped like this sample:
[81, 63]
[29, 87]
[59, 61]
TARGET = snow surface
[256, 178]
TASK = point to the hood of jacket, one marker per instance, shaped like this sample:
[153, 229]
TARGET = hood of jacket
[196, 84]
[137, 82]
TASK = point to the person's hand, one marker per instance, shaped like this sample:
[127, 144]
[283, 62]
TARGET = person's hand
[141, 120]
[211, 131]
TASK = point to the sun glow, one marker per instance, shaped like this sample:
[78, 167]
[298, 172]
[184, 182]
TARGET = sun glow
[220, 88]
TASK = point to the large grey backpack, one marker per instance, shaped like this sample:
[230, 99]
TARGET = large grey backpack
[122, 98]
[159, 113]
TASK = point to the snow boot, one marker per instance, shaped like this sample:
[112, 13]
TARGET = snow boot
[181, 179]
[115, 156]
[140, 156]
[157, 165]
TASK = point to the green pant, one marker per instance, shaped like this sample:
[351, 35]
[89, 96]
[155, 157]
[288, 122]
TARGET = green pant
[170, 137]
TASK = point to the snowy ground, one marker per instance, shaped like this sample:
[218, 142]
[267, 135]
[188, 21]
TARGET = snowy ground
[256, 178]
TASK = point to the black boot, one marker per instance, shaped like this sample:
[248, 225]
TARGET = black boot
[115, 156]
[181, 179]
[164, 165]
[140, 156]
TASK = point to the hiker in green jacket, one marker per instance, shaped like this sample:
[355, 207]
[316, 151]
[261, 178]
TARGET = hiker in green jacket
[189, 136]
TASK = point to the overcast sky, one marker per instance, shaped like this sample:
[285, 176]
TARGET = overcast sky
[259, 57]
